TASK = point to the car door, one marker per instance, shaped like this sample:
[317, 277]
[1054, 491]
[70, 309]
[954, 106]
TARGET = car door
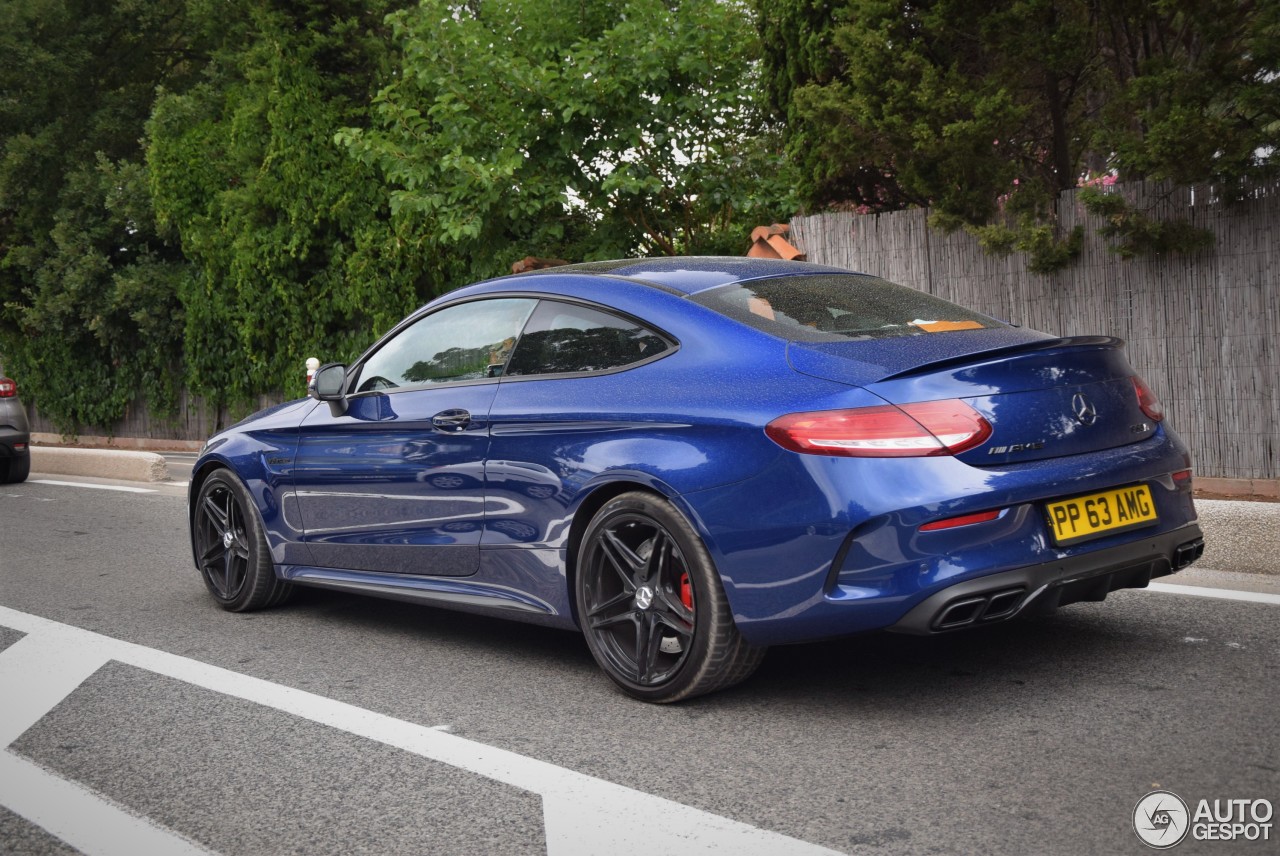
[560, 410]
[396, 482]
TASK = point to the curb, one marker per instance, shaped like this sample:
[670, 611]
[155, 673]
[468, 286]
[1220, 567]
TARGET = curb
[1240, 536]
[137, 444]
[99, 463]
[1256, 489]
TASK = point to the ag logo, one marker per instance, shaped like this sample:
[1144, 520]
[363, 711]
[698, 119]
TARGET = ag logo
[1161, 819]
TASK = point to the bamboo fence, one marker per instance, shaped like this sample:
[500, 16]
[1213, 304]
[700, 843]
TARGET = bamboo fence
[1203, 328]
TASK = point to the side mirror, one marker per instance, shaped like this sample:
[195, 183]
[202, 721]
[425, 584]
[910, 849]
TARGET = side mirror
[326, 385]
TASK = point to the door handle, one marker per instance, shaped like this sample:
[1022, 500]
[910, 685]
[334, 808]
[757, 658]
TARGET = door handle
[451, 420]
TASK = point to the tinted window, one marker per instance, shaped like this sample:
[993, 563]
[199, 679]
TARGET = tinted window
[831, 307]
[470, 341]
[562, 337]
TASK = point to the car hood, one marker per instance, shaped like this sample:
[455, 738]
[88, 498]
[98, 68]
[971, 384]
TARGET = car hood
[291, 411]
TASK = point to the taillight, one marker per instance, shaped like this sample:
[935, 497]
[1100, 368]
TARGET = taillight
[8, 389]
[904, 431]
[962, 520]
[1147, 400]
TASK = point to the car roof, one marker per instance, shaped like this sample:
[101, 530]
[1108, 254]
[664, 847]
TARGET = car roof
[689, 274]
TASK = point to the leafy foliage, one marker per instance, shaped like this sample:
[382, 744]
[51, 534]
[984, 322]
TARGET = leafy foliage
[1131, 232]
[1193, 89]
[86, 284]
[1045, 250]
[985, 113]
[576, 129]
[293, 248]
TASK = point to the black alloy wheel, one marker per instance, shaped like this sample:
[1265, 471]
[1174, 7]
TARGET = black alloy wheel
[651, 605]
[231, 548]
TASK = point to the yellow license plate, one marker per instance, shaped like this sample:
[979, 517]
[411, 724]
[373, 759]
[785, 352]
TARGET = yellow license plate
[1074, 520]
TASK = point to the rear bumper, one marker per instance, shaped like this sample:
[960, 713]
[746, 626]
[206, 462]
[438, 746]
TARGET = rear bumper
[819, 547]
[10, 438]
[1043, 587]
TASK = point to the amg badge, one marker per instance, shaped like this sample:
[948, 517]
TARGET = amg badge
[1017, 447]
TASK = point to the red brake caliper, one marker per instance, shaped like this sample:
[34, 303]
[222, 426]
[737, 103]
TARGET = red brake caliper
[686, 592]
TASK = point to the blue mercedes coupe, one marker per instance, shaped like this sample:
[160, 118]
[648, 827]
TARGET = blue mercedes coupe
[692, 459]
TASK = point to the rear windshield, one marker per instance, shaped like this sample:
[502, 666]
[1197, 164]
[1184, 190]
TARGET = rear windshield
[835, 307]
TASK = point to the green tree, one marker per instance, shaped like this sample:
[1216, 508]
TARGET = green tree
[986, 112]
[291, 241]
[1192, 88]
[576, 129]
[294, 250]
[88, 319]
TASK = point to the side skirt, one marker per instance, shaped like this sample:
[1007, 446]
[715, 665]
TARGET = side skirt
[450, 593]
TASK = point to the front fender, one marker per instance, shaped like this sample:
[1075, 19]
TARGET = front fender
[260, 452]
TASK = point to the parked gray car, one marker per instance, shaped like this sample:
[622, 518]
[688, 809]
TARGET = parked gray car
[15, 435]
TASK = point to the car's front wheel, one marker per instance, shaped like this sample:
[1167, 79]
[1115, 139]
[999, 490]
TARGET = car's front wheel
[231, 547]
[651, 604]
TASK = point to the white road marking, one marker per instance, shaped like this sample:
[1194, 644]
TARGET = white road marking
[83, 818]
[37, 673]
[581, 814]
[1225, 594]
[94, 486]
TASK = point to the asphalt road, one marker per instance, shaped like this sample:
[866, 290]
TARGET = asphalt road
[180, 465]
[425, 731]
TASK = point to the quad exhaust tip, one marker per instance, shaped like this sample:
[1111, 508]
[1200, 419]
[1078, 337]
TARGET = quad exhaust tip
[1188, 553]
[1041, 589]
[989, 606]
[1004, 603]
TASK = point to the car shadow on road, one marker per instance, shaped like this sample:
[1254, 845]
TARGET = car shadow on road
[1077, 646]
[480, 634]
[1050, 654]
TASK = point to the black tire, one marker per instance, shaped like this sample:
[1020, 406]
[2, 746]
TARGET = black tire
[231, 547]
[18, 468]
[652, 607]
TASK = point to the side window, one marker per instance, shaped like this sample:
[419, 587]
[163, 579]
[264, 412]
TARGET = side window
[470, 341]
[563, 337]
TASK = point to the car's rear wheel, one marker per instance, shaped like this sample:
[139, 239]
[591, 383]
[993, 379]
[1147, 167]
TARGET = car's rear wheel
[17, 469]
[651, 604]
[231, 547]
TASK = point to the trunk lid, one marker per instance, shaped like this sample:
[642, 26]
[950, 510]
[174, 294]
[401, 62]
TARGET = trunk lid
[1044, 397]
